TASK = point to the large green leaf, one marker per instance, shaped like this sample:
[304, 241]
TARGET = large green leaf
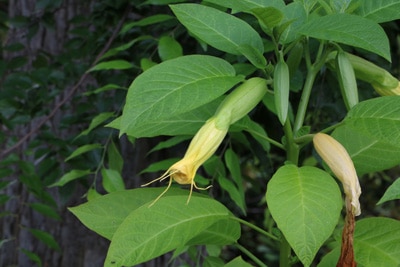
[247, 5]
[305, 203]
[376, 243]
[105, 214]
[150, 232]
[380, 10]
[370, 134]
[221, 233]
[182, 124]
[175, 87]
[350, 30]
[218, 29]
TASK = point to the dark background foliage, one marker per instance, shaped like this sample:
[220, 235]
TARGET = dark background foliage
[48, 98]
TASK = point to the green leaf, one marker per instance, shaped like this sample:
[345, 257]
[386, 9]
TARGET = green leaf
[218, 29]
[238, 262]
[379, 10]
[370, 134]
[96, 121]
[162, 165]
[104, 214]
[169, 48]
[4, 198]
[393, 192]
[146, 64]
[268, 17]
[45, 210]
[112, 65]
[32, 256]
[350, 30]
[254, 129]
[247, 5]
[70, 176]
[115, 160]
[112, 180]
[162, 2]
[170, 142]
[305, 203]
[92, 194]
[223, 232]
[148, 20]
[172, 89]
[104, 88]
[376, 243]
[170, 221]
[45, 238]
[233, 164]
[211, 261]
[377, 117]
[253, 55]
[295, 17]
[233, 192]
[83, 149]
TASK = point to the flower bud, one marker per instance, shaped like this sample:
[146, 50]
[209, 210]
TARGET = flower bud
[339, 161]
[382, 81]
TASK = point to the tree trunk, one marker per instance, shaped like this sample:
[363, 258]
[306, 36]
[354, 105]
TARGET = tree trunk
[78, 245]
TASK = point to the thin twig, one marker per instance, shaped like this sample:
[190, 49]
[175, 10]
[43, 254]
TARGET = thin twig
[73, 90]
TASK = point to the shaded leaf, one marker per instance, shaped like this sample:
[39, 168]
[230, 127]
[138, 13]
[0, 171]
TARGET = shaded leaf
[115, 160]
[70, 176]
[45, 210]
[46, 238]
[112, 180]
[169, 48]
[112, 65]
[83, 149]
[393, 192]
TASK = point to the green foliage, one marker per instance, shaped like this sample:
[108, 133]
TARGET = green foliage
[305, 203]
[184, 61]
[376, 243]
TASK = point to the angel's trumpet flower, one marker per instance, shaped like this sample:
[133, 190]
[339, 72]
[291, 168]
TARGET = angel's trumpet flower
[206, 141]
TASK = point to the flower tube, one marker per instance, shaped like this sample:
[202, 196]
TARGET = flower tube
[207, 140]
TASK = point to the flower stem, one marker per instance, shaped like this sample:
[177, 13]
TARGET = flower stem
[250, 255]
[258, 229]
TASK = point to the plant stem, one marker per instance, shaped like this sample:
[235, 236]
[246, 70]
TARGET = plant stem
[250, 255]
[285, 251]
[258, 229]
[305, 96]
[292, 155]
[292, 149]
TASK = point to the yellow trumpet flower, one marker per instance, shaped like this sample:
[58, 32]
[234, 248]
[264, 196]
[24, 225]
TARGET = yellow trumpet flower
[202, 147]
[207, 140]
